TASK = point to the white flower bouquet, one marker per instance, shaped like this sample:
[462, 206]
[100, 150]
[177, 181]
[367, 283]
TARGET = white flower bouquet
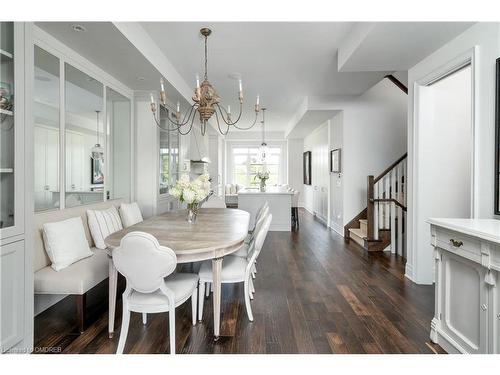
[191, 192]
[262, 176]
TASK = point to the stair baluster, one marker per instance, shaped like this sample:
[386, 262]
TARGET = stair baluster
[393, 210]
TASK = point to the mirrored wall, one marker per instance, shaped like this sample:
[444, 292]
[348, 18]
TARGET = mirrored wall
[96, 152]
[46, 130]
[84, 130]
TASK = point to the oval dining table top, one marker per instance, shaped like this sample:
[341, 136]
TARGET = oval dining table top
[215, 233]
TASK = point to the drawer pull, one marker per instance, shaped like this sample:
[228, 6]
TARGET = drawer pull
[456, 243]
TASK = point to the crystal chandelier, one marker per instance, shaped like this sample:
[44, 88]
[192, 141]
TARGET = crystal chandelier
[206, 104]
[97, 152]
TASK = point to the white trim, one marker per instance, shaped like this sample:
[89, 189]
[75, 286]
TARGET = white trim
[469, 57]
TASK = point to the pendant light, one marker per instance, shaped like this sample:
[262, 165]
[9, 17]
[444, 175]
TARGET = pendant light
[263, 149]
[97, 152]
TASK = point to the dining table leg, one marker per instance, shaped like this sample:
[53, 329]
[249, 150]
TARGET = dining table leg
[113, 276]
[216, 271]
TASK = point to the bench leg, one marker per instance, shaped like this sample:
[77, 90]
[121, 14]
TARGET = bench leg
[80, 311]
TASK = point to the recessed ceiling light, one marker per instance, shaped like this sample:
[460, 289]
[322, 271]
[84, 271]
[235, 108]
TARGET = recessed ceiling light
[78, 28]
[141, 79]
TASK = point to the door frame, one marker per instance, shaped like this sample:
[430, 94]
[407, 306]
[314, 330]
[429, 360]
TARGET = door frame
[469, 57]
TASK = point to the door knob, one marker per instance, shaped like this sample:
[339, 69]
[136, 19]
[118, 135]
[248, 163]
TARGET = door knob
[484, 307]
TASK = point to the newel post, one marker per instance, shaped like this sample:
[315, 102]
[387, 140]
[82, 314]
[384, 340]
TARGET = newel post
[370, 207]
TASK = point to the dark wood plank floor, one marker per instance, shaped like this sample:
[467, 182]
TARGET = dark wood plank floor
[314, 294]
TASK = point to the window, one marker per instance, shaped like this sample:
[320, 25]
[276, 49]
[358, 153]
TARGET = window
[246, 165]
[169, 155]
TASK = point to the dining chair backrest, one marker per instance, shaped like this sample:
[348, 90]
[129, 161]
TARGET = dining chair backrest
[143, 262]
[261, 217]
[259, 238]
[261, 208]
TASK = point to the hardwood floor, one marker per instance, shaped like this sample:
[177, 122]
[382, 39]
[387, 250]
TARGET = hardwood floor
[314, 294]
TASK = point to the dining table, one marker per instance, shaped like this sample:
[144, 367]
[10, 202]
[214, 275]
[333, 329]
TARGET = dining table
[215, 233]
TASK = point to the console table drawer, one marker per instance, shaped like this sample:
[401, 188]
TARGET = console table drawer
[459, 243]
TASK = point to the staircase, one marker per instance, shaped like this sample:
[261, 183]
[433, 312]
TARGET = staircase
[381, 225]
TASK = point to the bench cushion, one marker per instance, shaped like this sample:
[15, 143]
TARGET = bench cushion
[77, 278]
[130, 214]
[103, 223]
[65, 242]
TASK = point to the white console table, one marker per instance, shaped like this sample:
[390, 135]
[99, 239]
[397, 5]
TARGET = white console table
[467, 277]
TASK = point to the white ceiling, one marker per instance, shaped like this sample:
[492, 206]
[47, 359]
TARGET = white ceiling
[282, 62]
[395, 46]
[106, 47]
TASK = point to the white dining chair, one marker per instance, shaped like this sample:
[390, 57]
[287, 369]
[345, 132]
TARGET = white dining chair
[235, 269]
[258, 215]
[243, 251]
[146, 265]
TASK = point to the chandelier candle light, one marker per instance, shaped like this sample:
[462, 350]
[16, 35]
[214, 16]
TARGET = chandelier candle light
[206, 103]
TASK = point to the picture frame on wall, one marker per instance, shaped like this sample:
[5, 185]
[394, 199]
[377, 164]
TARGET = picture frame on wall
[97, 171]
[306, 170]
[335, 161]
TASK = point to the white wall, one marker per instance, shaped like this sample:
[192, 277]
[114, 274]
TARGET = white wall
[336, 181]
[486, 37]
[146, 158]
[317, 143]
[295, 148]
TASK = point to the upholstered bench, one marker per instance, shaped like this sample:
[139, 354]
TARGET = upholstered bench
[81, 276]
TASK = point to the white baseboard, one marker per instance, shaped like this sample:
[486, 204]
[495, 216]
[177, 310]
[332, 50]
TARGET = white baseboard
[409, 272]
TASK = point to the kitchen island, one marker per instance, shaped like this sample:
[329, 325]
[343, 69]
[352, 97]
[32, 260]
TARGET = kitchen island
[280, 205]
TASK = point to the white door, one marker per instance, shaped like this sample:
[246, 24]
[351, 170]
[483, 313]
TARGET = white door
[12, 294]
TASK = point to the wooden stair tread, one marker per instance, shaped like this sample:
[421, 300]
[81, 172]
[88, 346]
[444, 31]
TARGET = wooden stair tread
[358, 232]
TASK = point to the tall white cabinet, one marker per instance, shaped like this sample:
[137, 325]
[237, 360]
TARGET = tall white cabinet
[16, 187]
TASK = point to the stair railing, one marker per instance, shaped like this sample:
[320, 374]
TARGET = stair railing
[386, 204]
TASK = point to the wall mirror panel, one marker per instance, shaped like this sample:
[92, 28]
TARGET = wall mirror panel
[46, 130]
[84, 129]
[118, 124]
